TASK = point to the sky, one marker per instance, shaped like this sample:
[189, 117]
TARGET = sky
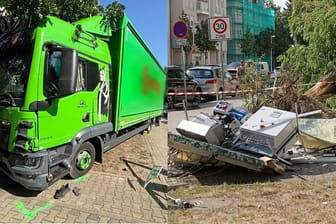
[150, 18]
[281, 3]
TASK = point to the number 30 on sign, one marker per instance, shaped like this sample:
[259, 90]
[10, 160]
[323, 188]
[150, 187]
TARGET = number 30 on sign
[219, 28]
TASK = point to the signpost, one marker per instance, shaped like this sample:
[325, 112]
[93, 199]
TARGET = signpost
[180, 30]
[219, 30]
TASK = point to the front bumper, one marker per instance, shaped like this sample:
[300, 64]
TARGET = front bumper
[29, 170]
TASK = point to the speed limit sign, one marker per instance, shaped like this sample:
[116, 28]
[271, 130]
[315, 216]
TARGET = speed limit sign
[219, 28]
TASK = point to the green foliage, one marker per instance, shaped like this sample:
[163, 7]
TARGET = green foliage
[263, 42]
[33, 12]
[312, 25]
[73, 10]
[331, 102]
[282, 39]
[248, 44]
[260, 44]
[269, 4]
[202, 37]
[111, 15]
[255, 81]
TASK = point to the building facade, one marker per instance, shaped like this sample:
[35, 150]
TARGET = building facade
[244, 15]
[197, 11]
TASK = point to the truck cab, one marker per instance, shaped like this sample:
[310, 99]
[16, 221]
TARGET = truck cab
[62, 107]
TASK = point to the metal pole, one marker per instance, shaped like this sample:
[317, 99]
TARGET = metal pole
[185, 83]
[272, 53]
[222, 63]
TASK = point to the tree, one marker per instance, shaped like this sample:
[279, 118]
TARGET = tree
[202, 38]
[282, 39]
[263, 42]
[33, 12]
[260, 44]
[269, 4]
[111, 14]
[30, 12]
[312, 25]
[248, 44]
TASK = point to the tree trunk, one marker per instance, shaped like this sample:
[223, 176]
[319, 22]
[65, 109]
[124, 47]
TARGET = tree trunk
[326, 86]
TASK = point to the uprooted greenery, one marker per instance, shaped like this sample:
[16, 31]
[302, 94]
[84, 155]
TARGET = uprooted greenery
[312, 26]
[282, 94]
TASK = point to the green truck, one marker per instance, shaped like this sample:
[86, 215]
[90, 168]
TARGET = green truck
[69, 93]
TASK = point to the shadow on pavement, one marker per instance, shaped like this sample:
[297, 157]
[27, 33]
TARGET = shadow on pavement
[151, 188]
[216, 175]
[14, 188]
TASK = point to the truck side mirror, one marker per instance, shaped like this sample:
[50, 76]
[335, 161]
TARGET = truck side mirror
[68, 78]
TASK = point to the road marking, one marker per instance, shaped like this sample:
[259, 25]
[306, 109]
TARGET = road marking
[31, 214]
[82, 178]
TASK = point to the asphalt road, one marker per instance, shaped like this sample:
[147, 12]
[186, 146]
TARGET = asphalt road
[175, 116]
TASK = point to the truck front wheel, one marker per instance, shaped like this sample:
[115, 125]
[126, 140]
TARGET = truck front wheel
[83, 160]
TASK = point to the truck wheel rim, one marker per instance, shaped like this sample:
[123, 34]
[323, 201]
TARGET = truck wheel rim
[84, 160]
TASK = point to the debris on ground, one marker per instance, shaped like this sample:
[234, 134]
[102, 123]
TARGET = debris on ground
[263, 141]
[60, 193]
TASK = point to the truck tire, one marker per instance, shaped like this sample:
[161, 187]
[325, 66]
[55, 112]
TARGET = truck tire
[83, 160]
[149, 129]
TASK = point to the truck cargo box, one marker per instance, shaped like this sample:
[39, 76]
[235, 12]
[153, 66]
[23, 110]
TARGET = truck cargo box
[138, 82]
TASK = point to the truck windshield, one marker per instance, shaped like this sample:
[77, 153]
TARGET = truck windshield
[15, 59]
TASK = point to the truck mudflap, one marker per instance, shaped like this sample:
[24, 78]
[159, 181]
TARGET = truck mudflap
[29, 170]
[229, 156]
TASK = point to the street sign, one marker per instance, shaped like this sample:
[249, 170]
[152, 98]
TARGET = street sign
[180, 29]
[181, 42]
[219, 28]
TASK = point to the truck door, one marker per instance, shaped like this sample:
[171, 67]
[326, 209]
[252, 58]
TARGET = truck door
[70, 86]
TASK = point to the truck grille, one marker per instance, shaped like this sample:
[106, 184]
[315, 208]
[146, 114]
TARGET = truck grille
[4, 135]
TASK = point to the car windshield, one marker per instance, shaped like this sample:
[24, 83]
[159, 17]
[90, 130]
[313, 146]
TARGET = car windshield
[200, 73]
[233, 64]
[175, 74]
[15, 59]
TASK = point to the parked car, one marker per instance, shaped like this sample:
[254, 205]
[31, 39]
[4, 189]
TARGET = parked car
[263, 67]
[175, 87]
[232, 69]
[276, 72]
[210, 80]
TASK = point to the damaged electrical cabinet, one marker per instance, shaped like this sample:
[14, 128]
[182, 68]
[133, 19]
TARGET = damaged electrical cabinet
[234, 136]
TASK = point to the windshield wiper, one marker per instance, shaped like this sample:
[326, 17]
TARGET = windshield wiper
[7, 99]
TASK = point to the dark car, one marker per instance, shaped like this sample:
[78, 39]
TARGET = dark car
[175, 87]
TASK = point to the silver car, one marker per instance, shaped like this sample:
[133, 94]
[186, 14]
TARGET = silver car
[209, 78]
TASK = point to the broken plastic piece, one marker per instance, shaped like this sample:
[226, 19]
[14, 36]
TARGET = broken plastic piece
[76, 191]
[60, 193]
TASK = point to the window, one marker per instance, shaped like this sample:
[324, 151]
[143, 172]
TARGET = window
[86, 79]
[54, 63]
[87, 75]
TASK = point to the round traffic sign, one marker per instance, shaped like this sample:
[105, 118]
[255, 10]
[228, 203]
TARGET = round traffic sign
[219, 26]
[180, 29]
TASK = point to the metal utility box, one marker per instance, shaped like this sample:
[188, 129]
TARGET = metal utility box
[270, 127]
[202, 128]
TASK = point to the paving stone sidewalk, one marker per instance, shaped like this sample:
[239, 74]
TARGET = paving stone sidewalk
[104, 197]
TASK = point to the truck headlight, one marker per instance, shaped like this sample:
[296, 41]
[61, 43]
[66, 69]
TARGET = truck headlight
[29, 162]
